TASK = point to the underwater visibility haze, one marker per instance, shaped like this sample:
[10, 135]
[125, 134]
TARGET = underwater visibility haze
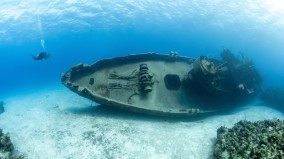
[41, 39]
[84, 31]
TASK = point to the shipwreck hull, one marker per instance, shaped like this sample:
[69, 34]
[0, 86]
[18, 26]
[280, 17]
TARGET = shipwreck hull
[116, 82]
[150, 83]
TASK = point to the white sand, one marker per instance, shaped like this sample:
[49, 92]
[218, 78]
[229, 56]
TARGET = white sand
[59, 124]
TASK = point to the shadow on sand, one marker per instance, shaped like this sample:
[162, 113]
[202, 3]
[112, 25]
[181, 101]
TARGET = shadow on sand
[109, 112]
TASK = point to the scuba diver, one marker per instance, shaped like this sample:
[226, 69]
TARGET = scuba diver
[41, 55]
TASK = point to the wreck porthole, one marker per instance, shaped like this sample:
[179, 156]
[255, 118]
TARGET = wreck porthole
[91, 81]
[172, 82]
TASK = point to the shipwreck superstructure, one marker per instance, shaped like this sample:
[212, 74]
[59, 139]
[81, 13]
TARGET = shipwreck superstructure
[162, 84]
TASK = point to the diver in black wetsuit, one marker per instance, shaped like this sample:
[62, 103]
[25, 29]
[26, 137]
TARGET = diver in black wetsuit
[40, 56]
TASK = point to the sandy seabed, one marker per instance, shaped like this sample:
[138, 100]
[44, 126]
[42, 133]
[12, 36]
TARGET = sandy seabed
[59, 124]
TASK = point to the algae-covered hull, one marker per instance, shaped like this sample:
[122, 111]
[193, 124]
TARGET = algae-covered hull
[148, 83]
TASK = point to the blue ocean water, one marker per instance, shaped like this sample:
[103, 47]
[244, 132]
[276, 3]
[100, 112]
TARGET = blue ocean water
[84, 31]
